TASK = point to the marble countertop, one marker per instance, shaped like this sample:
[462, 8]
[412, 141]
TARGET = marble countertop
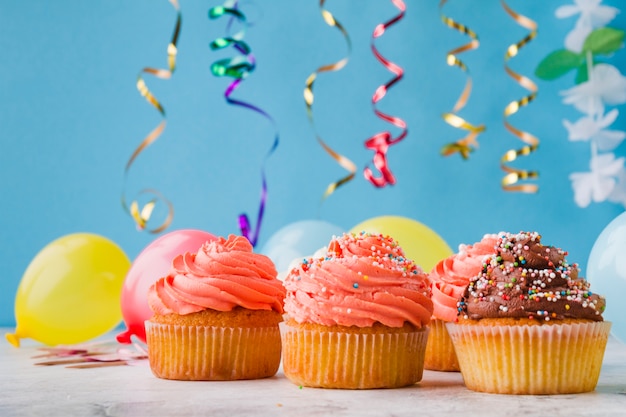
[29, 390]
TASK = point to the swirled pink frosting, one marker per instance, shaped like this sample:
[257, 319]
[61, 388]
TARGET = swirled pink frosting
[450, 276]
[363, 279]
[225, 273]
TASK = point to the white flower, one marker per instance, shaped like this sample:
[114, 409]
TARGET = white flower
[606, 85]
[588, 128]
[592, 14]
[575, 39]
[598, 184]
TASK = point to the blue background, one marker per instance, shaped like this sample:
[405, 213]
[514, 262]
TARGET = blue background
[70, 117]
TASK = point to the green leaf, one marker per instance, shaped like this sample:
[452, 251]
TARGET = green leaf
[582, 75]
[557, 64]
[604, 41]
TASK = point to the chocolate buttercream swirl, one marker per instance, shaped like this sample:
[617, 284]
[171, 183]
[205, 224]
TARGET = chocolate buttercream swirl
[526, 279]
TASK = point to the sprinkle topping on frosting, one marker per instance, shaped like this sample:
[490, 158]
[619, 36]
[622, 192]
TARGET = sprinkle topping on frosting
[527, 279]
[362, 279]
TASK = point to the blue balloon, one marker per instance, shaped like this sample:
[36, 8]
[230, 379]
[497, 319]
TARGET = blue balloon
[298, 240]
[606, 271]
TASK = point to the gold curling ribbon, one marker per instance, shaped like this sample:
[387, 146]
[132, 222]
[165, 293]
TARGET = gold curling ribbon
[141, 215]
[309, 98]
[467, 144]
[514, 175]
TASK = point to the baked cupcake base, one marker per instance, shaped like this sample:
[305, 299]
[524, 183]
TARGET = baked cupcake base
[214, 346]
[499, 356]
[440, 354]
[353, 357]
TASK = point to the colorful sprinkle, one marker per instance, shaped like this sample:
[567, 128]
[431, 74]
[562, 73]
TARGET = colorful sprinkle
[506, 275]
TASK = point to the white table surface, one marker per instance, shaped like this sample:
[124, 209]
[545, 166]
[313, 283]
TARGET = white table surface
[29, 390]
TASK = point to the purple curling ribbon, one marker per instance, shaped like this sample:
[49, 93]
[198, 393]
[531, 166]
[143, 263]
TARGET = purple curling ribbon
[239, 67]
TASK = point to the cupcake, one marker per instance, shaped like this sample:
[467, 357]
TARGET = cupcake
[449, 278]
[529, 324]
[357, 318]
[216, 315]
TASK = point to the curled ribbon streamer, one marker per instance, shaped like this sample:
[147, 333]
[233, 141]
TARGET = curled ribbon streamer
[513, 175]
[381, 141]
[142, 215]
[467, 144]
[239, 67]
[309, 98]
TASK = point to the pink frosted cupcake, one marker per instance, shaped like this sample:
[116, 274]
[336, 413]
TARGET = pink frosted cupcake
[216, 315]
[358, 316]
[449, 278]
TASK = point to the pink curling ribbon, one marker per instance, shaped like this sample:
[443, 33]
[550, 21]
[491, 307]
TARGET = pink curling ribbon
[309, 98]
[142, 215]
[239, 67]
[380, 142]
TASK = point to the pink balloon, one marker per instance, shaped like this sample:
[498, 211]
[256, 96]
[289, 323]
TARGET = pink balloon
[154, 262]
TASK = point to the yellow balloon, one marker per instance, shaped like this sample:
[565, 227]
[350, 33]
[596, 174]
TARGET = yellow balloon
[71, 290]
[420, 243]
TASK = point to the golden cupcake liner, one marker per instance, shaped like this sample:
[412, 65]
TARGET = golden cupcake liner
[440, 354]
[206, 353]
[525, 359]
[329, 359]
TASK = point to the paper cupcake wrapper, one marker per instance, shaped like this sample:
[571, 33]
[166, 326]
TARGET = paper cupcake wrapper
[200, 353]
[440, 354]
[541, 359]
[353, 360]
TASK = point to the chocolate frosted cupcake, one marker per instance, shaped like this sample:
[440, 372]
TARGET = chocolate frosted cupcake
[529, 324]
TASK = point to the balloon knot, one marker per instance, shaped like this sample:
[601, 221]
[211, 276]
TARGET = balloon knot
[13, 339]
[124, 337]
